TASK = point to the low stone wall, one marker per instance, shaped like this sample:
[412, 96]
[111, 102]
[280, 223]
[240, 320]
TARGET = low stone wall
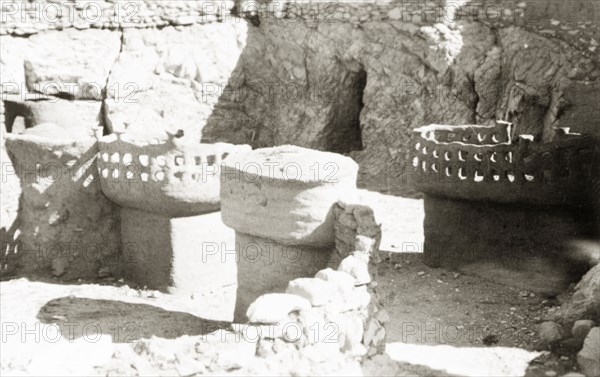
[338, 309]
[25, 18]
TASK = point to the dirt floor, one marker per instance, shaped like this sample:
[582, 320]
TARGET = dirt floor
[428, 307]
[442, 322]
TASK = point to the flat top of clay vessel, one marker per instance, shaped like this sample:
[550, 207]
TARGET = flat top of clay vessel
[293, 163]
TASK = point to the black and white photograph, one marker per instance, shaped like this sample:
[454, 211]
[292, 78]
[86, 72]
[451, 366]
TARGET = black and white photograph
[300, 188]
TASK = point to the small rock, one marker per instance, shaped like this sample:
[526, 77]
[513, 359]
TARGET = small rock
[395, 14]
[581, 328]
[584, 302]
[343, 280]
[364, 244]
[550, 332]
[319, 292]
[382, 316]
[279, 345]
[357, 268]
[104, 272]
[588, 358]
[490, 340]
[550, 373]
[189, 367]
[59, 266]
[353, 331]
[264, 348]
[421, 273]
[356, 298]
[184, 20]
[275, 307]
[154, 294]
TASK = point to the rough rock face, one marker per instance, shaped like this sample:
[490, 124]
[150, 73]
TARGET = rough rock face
[585, 301]
[10, 185]
[419, 70]
[184, 65]
[589, 357]
[54, 71]
[353, 220]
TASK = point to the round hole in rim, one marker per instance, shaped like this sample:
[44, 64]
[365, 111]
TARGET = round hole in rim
[114, 158]
[144, 159]
[161, 160]
[127, 158]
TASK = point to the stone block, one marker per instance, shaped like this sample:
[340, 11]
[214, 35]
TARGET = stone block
[588, 358]
[356, 229]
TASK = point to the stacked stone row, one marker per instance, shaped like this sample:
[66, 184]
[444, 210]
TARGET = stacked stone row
[20, 19]
[30, 17]
[338, 307]
[575, 323]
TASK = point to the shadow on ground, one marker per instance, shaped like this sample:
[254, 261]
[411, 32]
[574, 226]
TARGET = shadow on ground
[125, 322]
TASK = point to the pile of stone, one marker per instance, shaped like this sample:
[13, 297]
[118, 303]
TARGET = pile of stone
[576, 323]
[337, 308]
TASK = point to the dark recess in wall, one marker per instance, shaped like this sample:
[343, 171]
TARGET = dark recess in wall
[344, 132]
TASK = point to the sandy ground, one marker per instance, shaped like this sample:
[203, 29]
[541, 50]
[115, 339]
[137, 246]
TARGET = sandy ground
[442, 323]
